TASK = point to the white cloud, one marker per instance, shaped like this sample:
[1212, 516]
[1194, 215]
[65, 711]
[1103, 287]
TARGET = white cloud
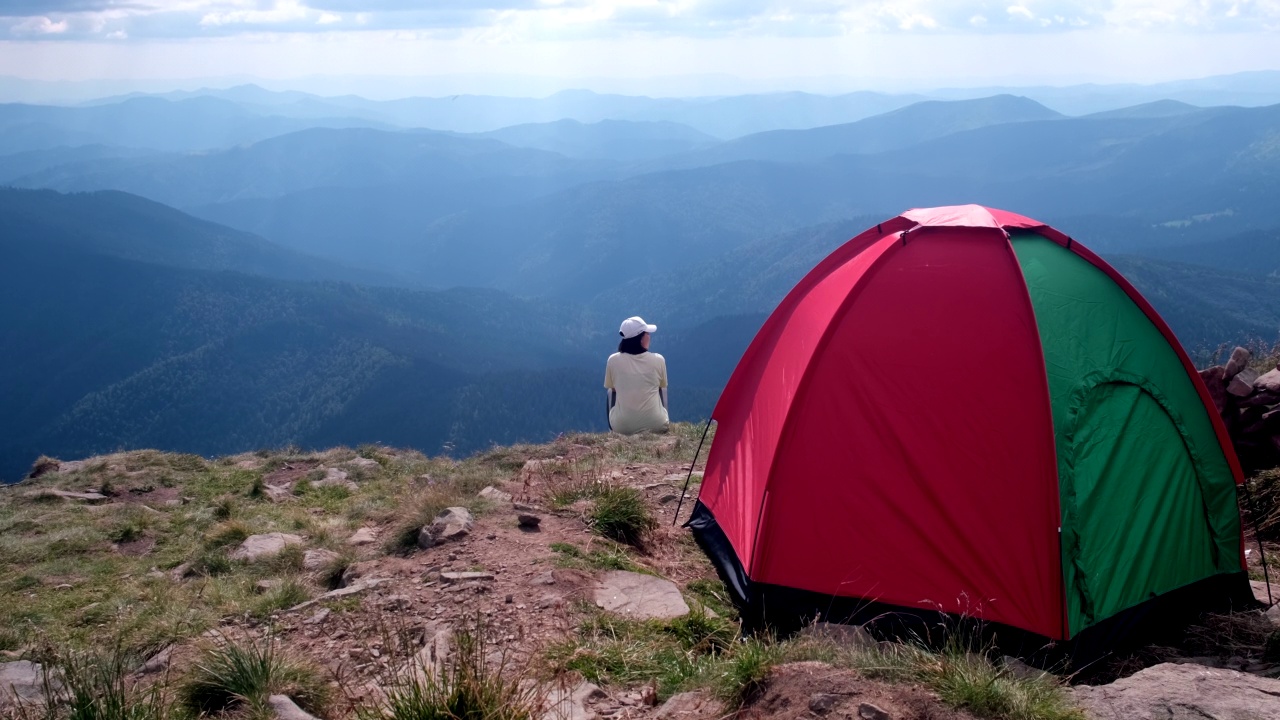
[40, 25]
[328, 18]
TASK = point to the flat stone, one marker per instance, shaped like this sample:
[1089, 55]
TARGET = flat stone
[90, 497]
[318, 558]
[1273, 614]
[1242, 384]
[642, 597]
[333, 477]
[528, 520]
[285, 709]
[278, 493]
[822, 703]
[1178, 691]
[182, 571]
[679, 478]
[465, 576]
[396, 602]
[21, 679]
[1260, 591]
[363, 536]
[319, 617]
[365, 463]
[257, 547]
[451, 524]
[868, 711]
[495, 495]
[157, 663]
[688, 706]
[357, 588]
[571, 703]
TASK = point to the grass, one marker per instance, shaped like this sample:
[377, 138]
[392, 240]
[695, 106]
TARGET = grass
[244, 675]
[96, 686]
[465, 688]
[621, 513]
[287, 594]
[611, 557]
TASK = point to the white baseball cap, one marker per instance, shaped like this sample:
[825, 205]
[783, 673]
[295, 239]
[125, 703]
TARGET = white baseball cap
[633, 326]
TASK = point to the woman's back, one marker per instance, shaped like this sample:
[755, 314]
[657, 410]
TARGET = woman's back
[637, 380]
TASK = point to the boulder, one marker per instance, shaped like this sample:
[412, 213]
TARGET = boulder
[363, 536]
[278, 493]
[258, 547]
[452, 524]
[1174, 691]
[318, 559]
[1239, 361]
[641, 597]
[1261, 397]
[493, 494]
[283, 707]
[1269, 381]
[22, 680]
[1215, 382]
[1242, 384]
[333, 477]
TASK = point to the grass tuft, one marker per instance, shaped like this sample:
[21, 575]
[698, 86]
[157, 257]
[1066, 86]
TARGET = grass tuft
[621, 514]
[235, 675]
[95, 685]
[465, 688]
[608, 558]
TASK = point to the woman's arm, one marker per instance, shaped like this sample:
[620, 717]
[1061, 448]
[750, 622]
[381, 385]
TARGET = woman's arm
[610, 398]
[662, 393]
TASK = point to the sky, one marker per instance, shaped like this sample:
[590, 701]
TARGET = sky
[686, 46]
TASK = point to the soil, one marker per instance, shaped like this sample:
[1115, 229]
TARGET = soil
[812, 690]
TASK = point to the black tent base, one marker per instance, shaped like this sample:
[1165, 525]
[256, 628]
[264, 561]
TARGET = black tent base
[783, 611]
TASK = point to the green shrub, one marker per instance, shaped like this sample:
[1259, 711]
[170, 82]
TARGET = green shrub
[466, 688]
[247, 674]
[740, 678]
[226, 534]
[287, 594]
[95, 685]
[621, 514]
[211, 563]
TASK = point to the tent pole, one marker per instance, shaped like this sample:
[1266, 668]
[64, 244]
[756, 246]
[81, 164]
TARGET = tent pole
[689, 477]
[1262, 555]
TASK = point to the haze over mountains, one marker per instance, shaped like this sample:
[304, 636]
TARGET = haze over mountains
[222, 270]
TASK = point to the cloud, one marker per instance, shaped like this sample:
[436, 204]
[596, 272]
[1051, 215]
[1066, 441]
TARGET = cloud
[533, 20]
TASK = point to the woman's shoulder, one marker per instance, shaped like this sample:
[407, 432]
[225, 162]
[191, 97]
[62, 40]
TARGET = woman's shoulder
[611, 357]
[657, 357]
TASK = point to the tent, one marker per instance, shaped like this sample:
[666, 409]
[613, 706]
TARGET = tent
[964, 411]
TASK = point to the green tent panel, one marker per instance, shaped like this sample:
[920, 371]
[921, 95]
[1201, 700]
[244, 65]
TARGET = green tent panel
[1124, 407]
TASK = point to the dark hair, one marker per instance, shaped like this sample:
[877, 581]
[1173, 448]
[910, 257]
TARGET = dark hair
[631, 345]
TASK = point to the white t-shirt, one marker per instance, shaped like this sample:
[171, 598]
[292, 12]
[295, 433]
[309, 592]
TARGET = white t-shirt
[636, 379]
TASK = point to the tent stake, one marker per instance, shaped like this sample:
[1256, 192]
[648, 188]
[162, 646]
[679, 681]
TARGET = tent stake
[689, 477]
[1262, 555]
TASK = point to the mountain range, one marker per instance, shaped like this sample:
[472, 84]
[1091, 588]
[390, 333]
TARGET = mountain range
[293, 269]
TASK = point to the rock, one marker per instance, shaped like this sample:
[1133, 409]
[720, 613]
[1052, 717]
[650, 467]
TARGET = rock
[1020, 670]
[333, 477]
[687, 706]
[263, 587]
[181, 572]
[641, 597]
[1239, 361]
[285, 709]
[1174, 691]
[1215, 382]
[465, 576]
[359, 587]
[278, 493]
[571, 704]
[1273, 614]
[365, 463]
[318, 559]
[1260, 397]
[854, 637]
[1260, 591]
[867, 711]
[22, 680]
[822, 703]
[679, 478]
[396, 602]
[435, 650]
[528, 521]
[257, 547]
[1242, 384]
[157, 663]
[354, 572]
[89, 497]
[494, 494]
[1269, 381]
[452, 524]
[363, 536]
[319, 617]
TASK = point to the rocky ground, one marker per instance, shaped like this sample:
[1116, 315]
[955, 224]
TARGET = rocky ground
[368, 564]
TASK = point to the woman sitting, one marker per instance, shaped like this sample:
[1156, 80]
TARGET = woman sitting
[635, 382]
